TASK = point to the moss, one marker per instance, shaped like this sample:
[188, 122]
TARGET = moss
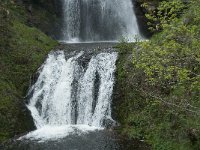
[22, 51]
[28, 48]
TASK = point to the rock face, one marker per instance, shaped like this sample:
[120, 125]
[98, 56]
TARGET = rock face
[140, 14]
[110, 123]
[45, 15]
[142, 20]
[52, 6]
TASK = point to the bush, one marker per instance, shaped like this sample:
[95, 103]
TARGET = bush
[166, 12]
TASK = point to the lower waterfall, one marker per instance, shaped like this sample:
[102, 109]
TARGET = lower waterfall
[72, 92]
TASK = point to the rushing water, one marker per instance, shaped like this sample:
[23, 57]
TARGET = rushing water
[71, 94]
[98, 20]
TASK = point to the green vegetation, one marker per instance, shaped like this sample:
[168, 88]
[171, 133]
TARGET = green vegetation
[166, 12]
[22, 50]
[160, 103]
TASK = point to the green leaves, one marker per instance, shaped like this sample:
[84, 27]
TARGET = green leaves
[165, 13]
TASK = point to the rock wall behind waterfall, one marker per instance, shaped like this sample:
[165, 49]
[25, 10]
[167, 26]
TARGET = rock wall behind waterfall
[44, 14]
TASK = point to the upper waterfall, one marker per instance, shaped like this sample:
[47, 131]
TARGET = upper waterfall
[98, 20]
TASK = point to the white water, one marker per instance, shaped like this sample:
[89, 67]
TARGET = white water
[98, 20]
[104, 64]
[57, 132]
[61, 106]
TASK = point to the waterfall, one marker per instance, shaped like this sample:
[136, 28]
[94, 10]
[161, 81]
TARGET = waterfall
[73, 91]
[70, 92]
[98, 20]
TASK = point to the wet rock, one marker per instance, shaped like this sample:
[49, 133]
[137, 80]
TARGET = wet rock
[109, 123]
[30, 8]
[186, 21]
[141, 19]
[193, 135]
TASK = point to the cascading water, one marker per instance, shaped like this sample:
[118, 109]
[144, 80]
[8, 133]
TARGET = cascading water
[98, 20]
[69, 95]
[73, 92]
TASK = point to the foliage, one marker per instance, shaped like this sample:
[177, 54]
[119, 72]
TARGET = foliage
[165, 13]
[161, 99]
[171, 59]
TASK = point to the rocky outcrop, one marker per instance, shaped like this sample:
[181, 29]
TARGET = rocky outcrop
[140, 14]
[141, 19]
[53, 6]
[44, 14]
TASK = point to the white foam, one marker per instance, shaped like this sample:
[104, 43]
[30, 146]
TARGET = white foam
[47, 132]
[87, 42]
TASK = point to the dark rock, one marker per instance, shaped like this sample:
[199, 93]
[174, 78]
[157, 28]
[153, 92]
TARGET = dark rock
[52, 6]
[193, 135]
[19, 2]
[30, 8]
[45, 15]
[141, 19]
[109, 123]
[186, 21]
